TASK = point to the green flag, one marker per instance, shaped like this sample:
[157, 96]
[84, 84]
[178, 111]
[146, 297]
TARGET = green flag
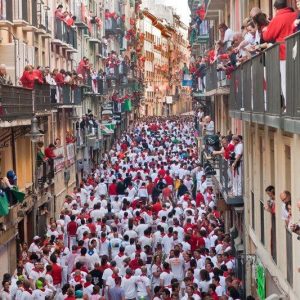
[19, 196]
[127, 105]
[3, 204]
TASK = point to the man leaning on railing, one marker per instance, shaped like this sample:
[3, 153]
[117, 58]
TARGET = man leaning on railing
[236, 165]
[4, 77]
[279, 28]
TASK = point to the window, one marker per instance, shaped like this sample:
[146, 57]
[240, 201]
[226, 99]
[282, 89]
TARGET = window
[289, 252]
[252, 210]
[262, 211]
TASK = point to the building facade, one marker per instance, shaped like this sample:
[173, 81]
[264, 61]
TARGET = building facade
[165, 50]
[249, 104]
[80, 119]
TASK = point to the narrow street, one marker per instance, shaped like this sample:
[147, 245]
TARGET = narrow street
[149, 149]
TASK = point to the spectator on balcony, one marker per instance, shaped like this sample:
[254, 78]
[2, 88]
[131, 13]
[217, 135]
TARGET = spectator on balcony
[70, 138]
[70, 20]
[4, 77]
[285, 198]
[59, 14]
[28, 78]
[254, 11]
[208, 126]
[38, 74]
[270, 205]
[236, 165]
[49, 77]
[279, 28]
[226, 35]
[84, 68]
[227, 148]
[297, 22]
[40, 156]
[49, 152]
[261, 21]
[59, 77]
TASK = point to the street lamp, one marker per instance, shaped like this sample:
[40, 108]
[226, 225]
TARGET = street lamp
[34, 133]
[16, 40]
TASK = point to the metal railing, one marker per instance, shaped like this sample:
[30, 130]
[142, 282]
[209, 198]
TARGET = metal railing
[71, 95]
[211, 77]
[293, 76]
[65, 33]
[215, 78]
[19, 102]
[231, 181]
[81, 19]
[42, 98]
[15, 102]
[95, 34]
[113, 26]
[256, 84]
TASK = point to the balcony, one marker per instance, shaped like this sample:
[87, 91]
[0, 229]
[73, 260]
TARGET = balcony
[95, 34]
[65, 36]
[42, 98]
[255, 91]
[70, 95]
[102, 87]
[15, 102]
[43, 22]
[102, 51]
[113, 27]
[81, 20]
[20, 103]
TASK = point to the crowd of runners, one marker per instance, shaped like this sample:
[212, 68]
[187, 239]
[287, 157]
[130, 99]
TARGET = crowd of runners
[142, 225]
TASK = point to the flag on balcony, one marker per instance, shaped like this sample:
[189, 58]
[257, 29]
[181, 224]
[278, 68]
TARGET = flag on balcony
[3, 204]
[19, 196]
[127, 105]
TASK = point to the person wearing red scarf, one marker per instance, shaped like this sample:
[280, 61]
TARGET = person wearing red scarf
[56, 271]
[28, 77]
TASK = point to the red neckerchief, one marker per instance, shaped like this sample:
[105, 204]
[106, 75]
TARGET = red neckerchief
[29, 290]
[103, 240]
[120, 254]
[34, 269]
[77, 278]
[87, 284]
[170, 235]
[127, 276]
[114, 276]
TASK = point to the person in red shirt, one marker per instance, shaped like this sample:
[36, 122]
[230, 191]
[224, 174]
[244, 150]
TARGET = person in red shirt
[162, 172]
[280, 27]
[28, 77]
[112, 190]
[71, 230]
[212, 292]
[156, 207]
[49, 151]
[227, 148]
[169, 180]
[59, 77]
[124, 146]
[91, 225]
[38, 75]
[56, 271]
[199, 199]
